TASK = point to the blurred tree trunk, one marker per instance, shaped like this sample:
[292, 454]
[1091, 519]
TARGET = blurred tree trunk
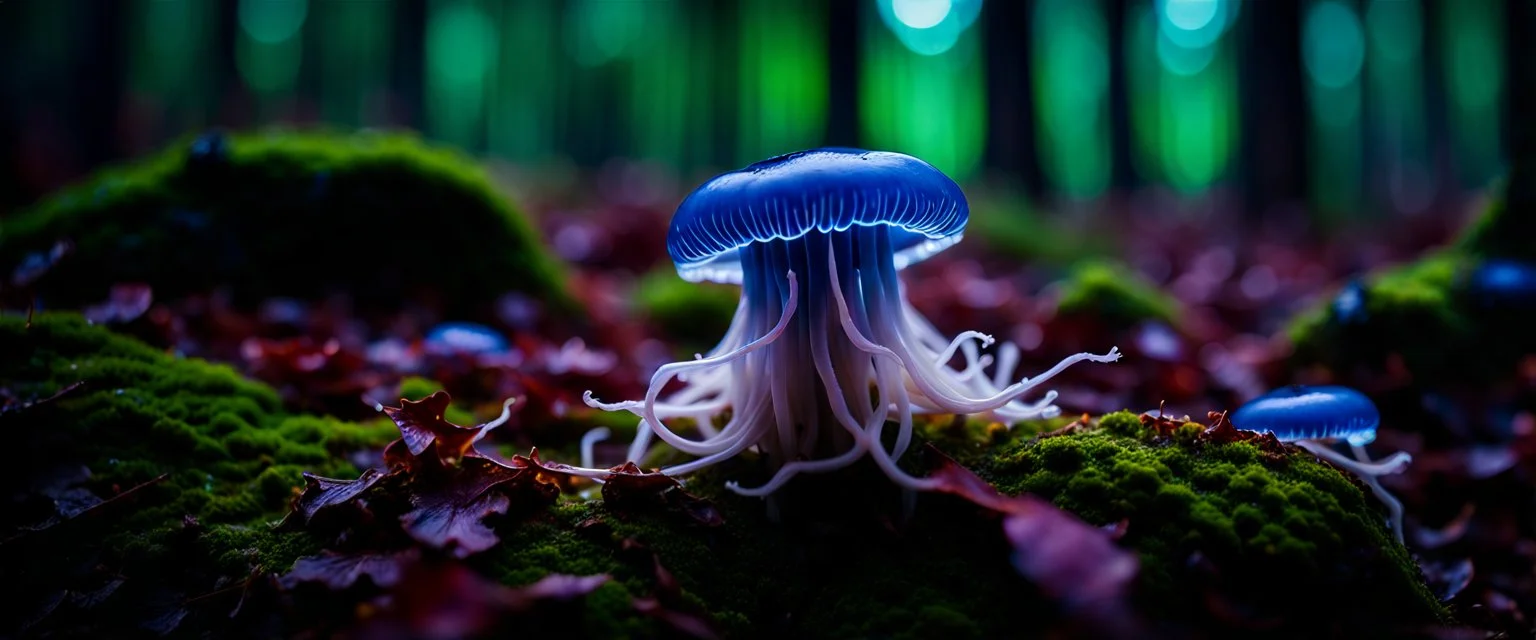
[1520, 200]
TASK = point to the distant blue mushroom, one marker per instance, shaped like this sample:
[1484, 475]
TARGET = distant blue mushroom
[1315, 417]
[824, 347]
[1503, 283]
[464, 338]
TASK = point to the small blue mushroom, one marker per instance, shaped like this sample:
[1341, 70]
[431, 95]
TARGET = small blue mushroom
[1315, 417]
[1503, 283]
[816, 240]
[464, 338]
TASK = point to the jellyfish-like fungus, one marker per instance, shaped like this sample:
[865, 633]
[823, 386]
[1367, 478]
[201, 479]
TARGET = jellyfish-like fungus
[824, 348]
[1315, 417]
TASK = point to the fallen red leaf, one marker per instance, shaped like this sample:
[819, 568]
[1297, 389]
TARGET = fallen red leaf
[422, 424]
[628, 487]
[449, 600]
[338, 571]
[1074, 562]
[323, 494]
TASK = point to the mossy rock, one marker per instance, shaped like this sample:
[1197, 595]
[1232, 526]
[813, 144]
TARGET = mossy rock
[1114, 294]
[1502, 230]
[693, 315]
[1427, 314]
[1290, 539]
[829, 556]
[379, 216]
[1007, 225]
[1291, 542]
[230, 460]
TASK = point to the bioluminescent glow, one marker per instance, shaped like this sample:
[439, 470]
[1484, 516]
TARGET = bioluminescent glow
[824, 349]
[928, 27]
[1474, 79]
[1070, 59]
[1333, 53]
[1395, 86]
[930, 106]
[461, 46]
[1183, 92]
[782, 79]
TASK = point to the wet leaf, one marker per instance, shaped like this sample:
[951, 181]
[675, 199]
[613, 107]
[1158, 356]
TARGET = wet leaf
[628, 487]
[1072, 561]
[447, 508]
[339, 571]
[422, 424]
[449, 600]
[323, 494]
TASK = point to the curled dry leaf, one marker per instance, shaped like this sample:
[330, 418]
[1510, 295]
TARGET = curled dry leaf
[422, 425]
[322, 494]
[628, 487]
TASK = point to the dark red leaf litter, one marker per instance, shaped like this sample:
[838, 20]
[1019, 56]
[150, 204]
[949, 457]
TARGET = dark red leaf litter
[1469, 496]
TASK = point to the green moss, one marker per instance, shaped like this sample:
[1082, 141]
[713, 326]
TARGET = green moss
[1422, 314]
[1115, 295]
[231, 454]
[1007, 224]
[378, 215]
[692, 315]
[825, 570]
[1498, 232]
[1267, 526]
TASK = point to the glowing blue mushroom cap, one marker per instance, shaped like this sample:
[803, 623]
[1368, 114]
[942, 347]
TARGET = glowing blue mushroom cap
[1311, 413]
[825, 190]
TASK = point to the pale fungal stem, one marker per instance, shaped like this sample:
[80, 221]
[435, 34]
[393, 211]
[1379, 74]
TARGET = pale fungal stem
[590, 440]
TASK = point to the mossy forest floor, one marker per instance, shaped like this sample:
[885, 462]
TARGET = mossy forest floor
[235, 455]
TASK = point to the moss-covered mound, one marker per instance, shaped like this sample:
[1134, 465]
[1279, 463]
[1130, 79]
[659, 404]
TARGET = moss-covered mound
[1278, 537]
[1500, 232]
[1115, 295]
[381, 216]
[229, 458]
[231, 454]
[1433, 316]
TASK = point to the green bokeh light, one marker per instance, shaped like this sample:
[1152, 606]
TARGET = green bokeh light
[1183, 100]
[930, 106]
[928, 27]
[782, 104]
[1332, 44]
[1070, 58]
[598, 31]
[1473, 34]
[461, 46]
[272, 21]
